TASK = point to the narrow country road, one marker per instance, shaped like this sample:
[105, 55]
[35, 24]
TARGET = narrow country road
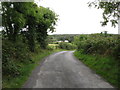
[63, 70]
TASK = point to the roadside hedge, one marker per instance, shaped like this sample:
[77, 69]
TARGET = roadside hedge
[99, 44]
[68, 46]
[12, 55]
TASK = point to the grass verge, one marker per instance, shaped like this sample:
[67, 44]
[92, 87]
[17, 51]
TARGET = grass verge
[26, 69]
[107, 67]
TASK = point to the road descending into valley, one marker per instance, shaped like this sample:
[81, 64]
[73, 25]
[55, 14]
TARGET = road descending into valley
[63, 70]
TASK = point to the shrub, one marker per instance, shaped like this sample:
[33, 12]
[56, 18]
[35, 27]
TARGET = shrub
[68, 46]
[50, 47]
[11, 54]
[99, 44]
[102, 53]
[116, 50]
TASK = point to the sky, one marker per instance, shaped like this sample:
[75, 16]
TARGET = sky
[75, 17]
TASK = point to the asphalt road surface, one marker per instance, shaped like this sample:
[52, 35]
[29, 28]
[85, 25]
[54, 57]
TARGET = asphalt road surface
[63, 70]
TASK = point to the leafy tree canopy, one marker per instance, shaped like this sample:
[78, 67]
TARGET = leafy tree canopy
[28, 20]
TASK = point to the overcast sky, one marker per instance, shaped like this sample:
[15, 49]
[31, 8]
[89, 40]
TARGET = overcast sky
[75, 17]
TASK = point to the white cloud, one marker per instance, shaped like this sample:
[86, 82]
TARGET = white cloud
[76, 17]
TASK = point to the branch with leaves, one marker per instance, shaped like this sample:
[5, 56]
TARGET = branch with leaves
[111, 11]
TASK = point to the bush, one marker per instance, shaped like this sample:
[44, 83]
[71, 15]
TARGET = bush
[68, 46]
[99, 44]
[12, 54]
[102, 53]
[50, 47]
[116, 50]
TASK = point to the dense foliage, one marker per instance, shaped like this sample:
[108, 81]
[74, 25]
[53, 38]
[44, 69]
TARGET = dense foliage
[25, 28]
[12, 54]
[99, 44]
[67, 46]
[101, 52]
[27, 20]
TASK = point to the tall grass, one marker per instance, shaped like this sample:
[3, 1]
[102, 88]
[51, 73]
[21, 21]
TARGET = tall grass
[107, 67]
[101, 53]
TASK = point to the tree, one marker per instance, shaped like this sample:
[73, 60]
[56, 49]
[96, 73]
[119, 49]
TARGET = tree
[111, 11]
[28, 20]
[45, 24]
[12, 20]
